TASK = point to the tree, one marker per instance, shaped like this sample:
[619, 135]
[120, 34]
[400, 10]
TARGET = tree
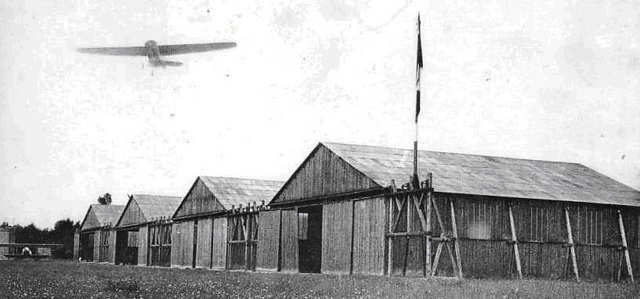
[62, 233]
[105, 199]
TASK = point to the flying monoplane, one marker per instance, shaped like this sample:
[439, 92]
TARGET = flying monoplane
[153, 51]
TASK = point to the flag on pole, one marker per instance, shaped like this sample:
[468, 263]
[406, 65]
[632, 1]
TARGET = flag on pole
[415, 181]
[419, 66]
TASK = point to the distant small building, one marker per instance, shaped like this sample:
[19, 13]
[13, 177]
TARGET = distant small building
[144, 230]
[216, 225]
[7, 236]
[97, 238]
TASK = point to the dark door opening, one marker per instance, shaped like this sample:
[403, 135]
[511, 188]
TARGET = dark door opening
[127, 247]
[86, 247]
[310, 239]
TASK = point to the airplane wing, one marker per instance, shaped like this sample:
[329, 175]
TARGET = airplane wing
[119, 51]
[193, 48]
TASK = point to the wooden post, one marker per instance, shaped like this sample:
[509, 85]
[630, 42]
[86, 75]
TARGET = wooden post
[244, 222]
[427, 261]
[76, 246]
[456, 242]
[514, 239]
[572, 248]
[409, 205]
[390, 230]
[624, 246]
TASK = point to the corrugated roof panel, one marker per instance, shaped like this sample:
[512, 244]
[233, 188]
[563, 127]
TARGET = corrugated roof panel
[236, 191]
[107, 214]
[157, 206]
[486, 175]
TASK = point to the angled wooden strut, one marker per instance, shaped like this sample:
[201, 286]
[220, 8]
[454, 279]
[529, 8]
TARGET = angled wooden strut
[514, 240]
[456, 241]
[572, 247]
[625, 247]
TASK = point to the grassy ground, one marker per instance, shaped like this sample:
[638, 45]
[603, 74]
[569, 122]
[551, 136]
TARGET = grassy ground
[58, 279]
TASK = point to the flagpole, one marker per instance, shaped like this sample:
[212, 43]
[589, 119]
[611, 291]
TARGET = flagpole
[419, 65]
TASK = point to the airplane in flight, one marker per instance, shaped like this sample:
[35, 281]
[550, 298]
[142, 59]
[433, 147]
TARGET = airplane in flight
[153, 51]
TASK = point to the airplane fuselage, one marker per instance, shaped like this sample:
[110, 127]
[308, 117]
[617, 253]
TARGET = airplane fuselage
[153, 54]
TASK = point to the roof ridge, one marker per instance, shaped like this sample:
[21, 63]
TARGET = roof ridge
[155, 195]
[454, 153]
[238, 178]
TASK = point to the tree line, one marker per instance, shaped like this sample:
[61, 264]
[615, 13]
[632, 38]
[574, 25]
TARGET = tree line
[62, 233]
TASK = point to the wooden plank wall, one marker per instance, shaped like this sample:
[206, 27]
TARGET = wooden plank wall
[268, 241]
[96, 246]
[324, 173]
[631, 219]
[289, 239]
[203, 251]
[112, 246]
[132, 214]
[337, 221]
[198, 200]
[219, 244]
[483, 259]
[90, 221]
[143, 245]
[76, 246]
[542, 234]
[369, 236]
[182, 244]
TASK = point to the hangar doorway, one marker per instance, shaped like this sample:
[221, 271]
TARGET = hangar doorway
[310, 239]
[127, 247]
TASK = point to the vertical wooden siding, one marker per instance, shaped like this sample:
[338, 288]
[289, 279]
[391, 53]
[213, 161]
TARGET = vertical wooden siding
[203, 255]
[96, 246]
[132, 214]
[198, 200]
[112, 247]
[76, 246]
[336, 237]
[219, 244]
[268, 241]
[324, 173]
[289, 245]
[182, 244]
[369, 236]
[143, 245]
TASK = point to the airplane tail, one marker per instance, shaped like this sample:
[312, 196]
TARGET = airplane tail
[165, 63]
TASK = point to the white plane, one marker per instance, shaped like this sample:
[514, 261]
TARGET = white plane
[153, 51]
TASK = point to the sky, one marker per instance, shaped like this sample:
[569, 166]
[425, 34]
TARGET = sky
[548, 80]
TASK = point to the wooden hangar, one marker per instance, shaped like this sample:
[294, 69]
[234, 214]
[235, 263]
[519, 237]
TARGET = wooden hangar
[350, 209]
[216, 224]
[96, 239]
[144, 232]
[346, 210]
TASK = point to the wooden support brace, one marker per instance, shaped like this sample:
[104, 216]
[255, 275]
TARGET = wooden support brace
[389, 239]
[572, 248]
[428, 236]
[624, 245]
[423, 221]
[397, 220]
[442, 235]
[436, 259]
[456, 242]
[514, 239]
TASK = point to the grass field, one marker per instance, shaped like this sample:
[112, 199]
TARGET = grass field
[59, 279]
